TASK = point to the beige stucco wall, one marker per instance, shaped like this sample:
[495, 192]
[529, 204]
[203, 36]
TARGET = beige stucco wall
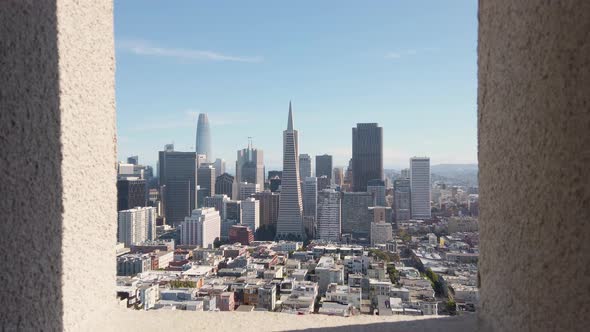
[534, 161]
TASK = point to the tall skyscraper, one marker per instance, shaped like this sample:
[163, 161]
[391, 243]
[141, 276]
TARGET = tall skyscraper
[367, 155]
[329, 226]
[323, 182]
[269, 207]
[323, 166]
[304, 166]
[251, 213]
[219, 165]
[405, 173]
[224, 184]
[178, 185]
[206, 183]
[377, 187]
[250, 166]
[356, 219]
[201, 228]
[203, 142]
[245, 189]
[233, 211]
[310, 200]
[131, 192]
[290, 222]
[134, 160]
[401, 200]
[136, 225]
[217, 202]
[420, 187]
[338, 176]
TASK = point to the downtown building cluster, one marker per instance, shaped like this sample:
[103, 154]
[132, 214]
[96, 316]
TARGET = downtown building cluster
[199, 238]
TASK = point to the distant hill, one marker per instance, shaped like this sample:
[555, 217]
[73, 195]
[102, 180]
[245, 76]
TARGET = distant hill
[459, 174]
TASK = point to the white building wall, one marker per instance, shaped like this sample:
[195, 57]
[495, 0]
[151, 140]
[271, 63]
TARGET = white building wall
[420, 187]
[201, 228]
[328, 216]
[251, 213]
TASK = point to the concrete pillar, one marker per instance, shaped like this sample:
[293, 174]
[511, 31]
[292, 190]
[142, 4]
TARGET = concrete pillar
[57, 157]
[534, 159]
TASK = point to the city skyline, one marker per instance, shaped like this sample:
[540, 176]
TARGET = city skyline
[415, 77]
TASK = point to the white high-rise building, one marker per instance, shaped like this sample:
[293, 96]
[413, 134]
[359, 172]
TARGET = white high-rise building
[219, 165]
[329, 226]
[304, 166]
[290, 220]
[251, 213]
[420, 187]
[245, 189]
[137, 225]
[201, 228]
[310, 201]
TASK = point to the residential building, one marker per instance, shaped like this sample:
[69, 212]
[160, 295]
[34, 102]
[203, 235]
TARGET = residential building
[401, 200]
[136, 225]
[328, 215]
[367, 155]
[310, 199]
[132, 264]
[355, 213]
[251, 213]
[420, 187]
[201, 228]
[269, 207]
[377, 187]
[328, 272]
[242, 234]
[381, 227]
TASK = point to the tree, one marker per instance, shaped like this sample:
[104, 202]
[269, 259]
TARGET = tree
[393, 274]
[451, 307]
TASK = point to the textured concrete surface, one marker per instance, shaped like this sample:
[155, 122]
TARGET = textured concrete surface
[30, 167]
[534, 159]
[88, 137]
[147, 321]
[57, 158]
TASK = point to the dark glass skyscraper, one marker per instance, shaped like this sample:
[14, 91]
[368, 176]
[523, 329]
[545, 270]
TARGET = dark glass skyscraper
[224, 184]
[203, 143]
[367, 155]
[178, 175]
[323, 166]
[131, 192]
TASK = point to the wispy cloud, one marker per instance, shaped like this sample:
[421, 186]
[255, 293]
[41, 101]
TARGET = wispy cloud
[141, 47]
[188, 119]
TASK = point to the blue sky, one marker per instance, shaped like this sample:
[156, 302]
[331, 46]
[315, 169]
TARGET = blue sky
[408, 65]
